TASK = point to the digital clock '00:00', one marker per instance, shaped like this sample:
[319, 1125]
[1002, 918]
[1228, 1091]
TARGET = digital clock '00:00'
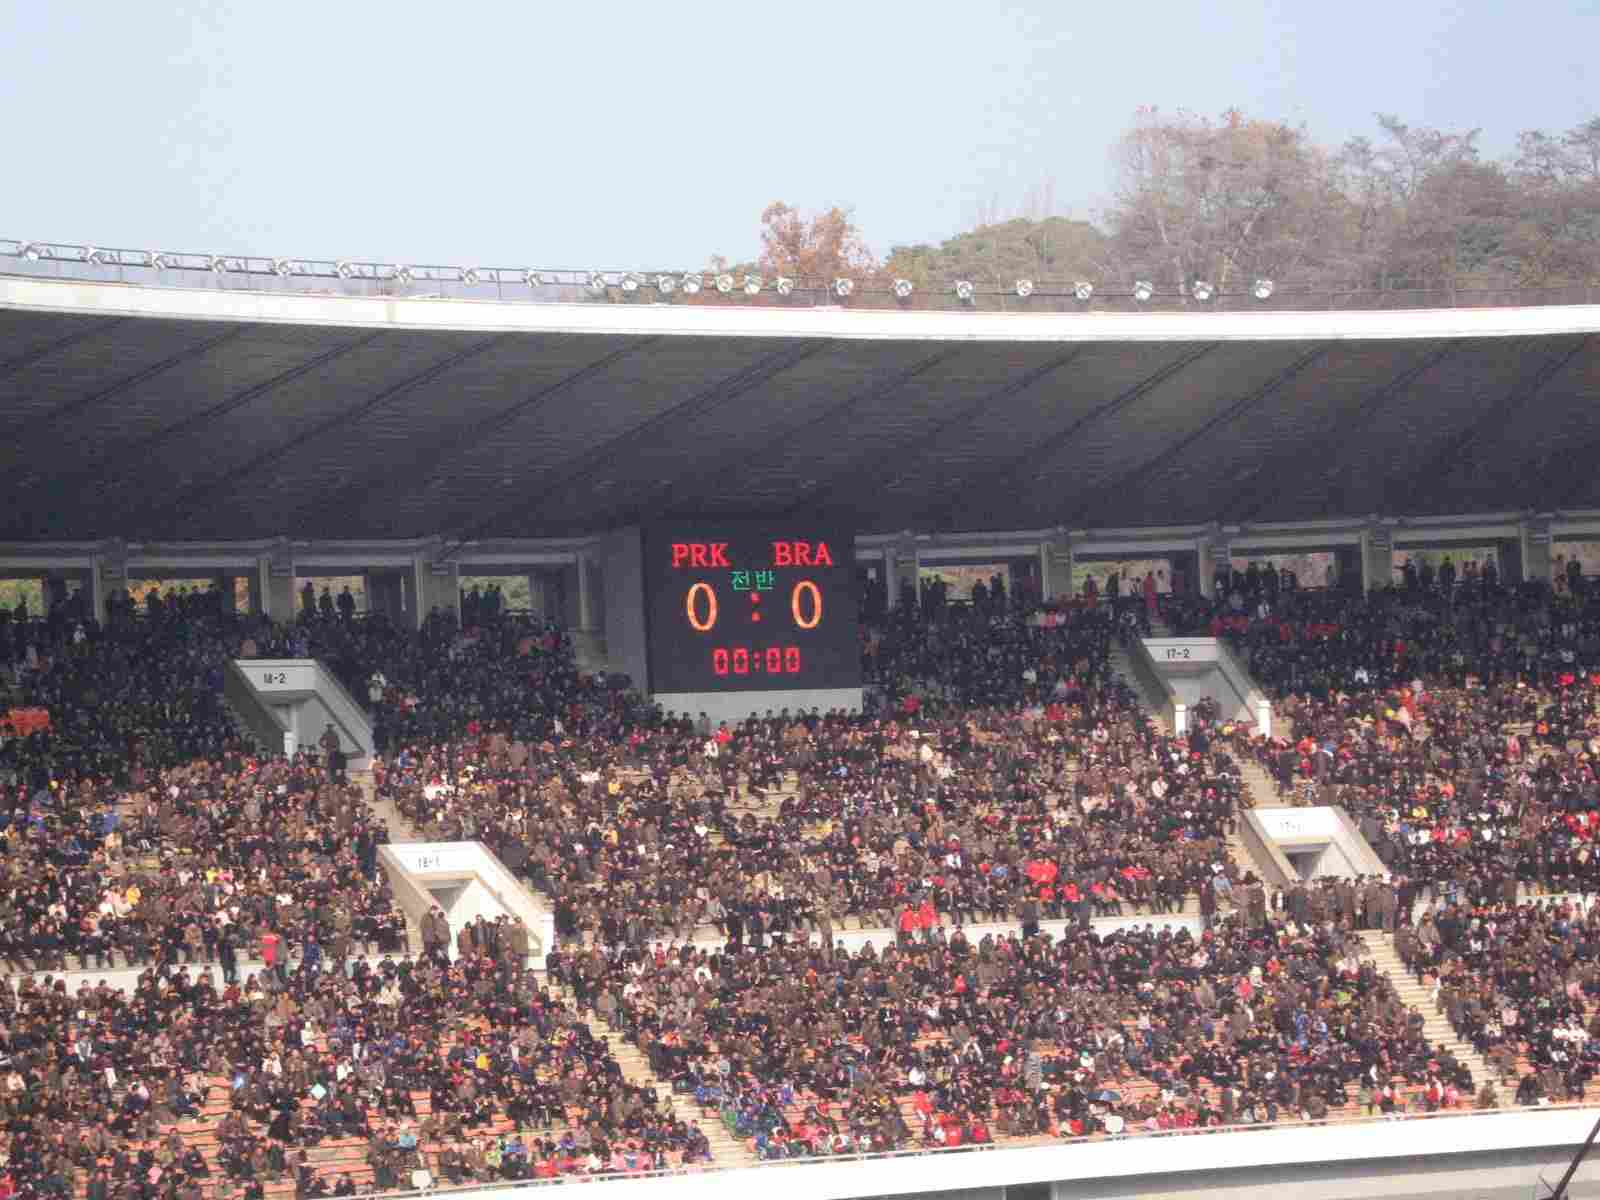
[742, 660]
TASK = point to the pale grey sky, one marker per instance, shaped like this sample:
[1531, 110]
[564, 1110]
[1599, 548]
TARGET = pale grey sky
[613, 135]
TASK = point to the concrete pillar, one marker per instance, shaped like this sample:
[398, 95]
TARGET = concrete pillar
[385, 588]
[1055, 568]
[1212, 551]
[906, 579]
[1536, 548]
[109, 573]
[586, 598]
[443, 583]
[277, 582]
[1377, 556]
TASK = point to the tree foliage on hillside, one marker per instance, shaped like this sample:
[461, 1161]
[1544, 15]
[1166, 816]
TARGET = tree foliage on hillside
[998, 255]
[1411, 207]
[1236, 198]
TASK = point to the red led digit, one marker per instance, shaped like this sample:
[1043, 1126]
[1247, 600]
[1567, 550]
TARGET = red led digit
[774, 660]
[791, 660]
[741, 661]
[719, 661]
[701, 606]
[798, 604]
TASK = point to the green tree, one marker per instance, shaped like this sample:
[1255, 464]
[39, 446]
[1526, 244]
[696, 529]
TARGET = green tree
[997, 255]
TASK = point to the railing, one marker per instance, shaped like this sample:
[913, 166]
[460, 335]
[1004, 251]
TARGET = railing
[1037, 1141]
[258, 717]
[254, 273]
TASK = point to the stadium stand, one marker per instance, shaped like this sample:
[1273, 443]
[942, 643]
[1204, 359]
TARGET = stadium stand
[1042, 803]
[282, 1030]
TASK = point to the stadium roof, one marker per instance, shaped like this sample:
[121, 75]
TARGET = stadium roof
[170, 412]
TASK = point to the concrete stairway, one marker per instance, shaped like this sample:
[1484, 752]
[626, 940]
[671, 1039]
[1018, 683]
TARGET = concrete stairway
[1419, 996]
[1263, 793]
[1261, 786]
[726, 1150]
[1122, 667]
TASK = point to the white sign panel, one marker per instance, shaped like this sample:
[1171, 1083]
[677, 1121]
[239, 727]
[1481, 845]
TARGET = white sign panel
[1180, 651]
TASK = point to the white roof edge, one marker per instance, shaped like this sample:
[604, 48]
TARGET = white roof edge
[634, 320]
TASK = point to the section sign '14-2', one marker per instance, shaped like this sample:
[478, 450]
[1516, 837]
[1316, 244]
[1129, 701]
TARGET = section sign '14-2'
[745, 607]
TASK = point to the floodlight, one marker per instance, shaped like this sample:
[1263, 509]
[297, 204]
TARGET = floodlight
[1082, 290]
[471, 275]
[752, 285]
[158, 259]
[281, 268]
[1143, 290]
[1203, 290]
[631, 281]
[1262, 289]
[785, 285]
[842, 287]
[1024, 288]
[666, 284]
[531, 278]
[964, 290]
[344, 270]
[902, 289]
[403, 274]
[216, 265]
[32, 251]
[597, 282]
[95, 256]
[724, 283]
[692, 283]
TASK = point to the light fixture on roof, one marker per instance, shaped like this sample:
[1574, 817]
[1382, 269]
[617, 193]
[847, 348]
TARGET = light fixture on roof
[631, 281]
[724, 283]
[344, 270]
[597, 282]
[785, 285]
[1082, 290]
[471, 275]
[965, 290]
[216, 265]
[1262, 289]
[902, 289]
[531, 278]
[1024, 288]
[666, 284]
[403, 274]
[94, 256]
[32, 251]
[158, 259]
[752, 285]
[1143, 290]
[842, 287]
[692, 282]
[1203, 290]
[282, 268]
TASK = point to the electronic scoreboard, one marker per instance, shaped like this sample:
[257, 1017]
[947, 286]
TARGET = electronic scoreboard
[746, 607]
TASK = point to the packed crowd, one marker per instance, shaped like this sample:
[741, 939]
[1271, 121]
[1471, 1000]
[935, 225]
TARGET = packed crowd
[1459, 726]
[937, 1039]
[200, 864]
[1053, 797]
[1520, 983]
[1002, 773]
